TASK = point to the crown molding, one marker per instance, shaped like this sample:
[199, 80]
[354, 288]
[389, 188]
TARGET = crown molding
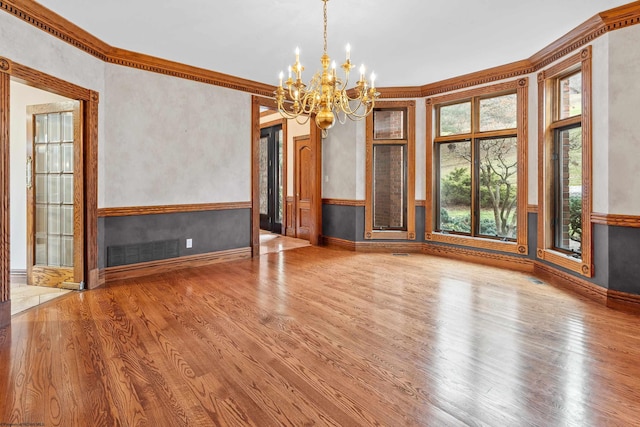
[54, 24]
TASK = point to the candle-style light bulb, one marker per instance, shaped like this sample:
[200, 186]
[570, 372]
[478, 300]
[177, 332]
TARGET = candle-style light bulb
[362, 71]
[373, 80]
[281, 75]
[289, 71]
[348, 51]
[297, 54]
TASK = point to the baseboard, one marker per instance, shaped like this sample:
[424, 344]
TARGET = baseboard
[5, 314]
[338, 243]
[623, 301]
[123, 272]
[570, 282]
[18, 274]
[385, 246]
[510, 262]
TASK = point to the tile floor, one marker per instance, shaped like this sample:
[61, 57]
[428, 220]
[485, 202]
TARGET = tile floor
[24, 297]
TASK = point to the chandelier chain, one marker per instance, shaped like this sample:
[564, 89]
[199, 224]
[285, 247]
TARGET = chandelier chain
[325, 25]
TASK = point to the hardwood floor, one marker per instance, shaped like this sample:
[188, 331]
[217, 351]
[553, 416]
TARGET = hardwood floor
[318, 336]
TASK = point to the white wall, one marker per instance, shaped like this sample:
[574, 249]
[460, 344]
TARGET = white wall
[174, 141]
[624, 121]
[339, 165]
[27, 45]
[600, 124]
[21, 96]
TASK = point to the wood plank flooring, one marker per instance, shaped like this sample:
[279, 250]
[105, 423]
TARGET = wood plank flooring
[318, 336]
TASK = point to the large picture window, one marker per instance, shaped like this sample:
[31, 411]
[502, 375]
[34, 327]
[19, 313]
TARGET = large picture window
[564, 231]
[390, 204]
[476, 169]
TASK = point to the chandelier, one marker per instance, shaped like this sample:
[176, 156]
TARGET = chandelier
[326, 95]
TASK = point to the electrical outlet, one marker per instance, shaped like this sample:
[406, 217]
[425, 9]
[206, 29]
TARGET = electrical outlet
[189, 243]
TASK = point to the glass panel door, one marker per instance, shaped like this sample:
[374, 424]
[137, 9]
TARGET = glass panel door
[54, 222]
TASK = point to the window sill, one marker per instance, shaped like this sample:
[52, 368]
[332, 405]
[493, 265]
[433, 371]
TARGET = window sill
[478, 242]
[565, 261]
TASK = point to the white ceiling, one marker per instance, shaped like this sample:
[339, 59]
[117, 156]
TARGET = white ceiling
[406, 42]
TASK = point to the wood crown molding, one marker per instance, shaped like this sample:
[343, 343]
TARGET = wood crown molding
[163, 209]
[632, 221]
[52, 23]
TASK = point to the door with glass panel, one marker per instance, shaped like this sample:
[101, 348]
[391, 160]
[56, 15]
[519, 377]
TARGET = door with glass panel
[54, 195]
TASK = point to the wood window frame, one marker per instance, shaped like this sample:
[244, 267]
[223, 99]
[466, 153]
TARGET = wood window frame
[409, 141]
[521, 88]
[548, 122]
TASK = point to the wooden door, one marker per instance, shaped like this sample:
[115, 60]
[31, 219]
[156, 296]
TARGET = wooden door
[304, 172]
[55, 222]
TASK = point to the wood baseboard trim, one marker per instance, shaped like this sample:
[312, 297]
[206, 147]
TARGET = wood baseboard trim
[5, 314]
[371, 247]
[487, 258]
[567, 281]
[623, 301]
[130, 271]
[338, 243]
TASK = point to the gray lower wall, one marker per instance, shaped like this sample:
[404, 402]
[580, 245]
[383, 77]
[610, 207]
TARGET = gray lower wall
[211, 231]
[347, 222]
[624, 259]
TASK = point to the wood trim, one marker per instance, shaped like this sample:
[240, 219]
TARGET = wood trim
[12, 70]
[282, 122]
[521, 88]
[532, 209]
[163, 209]
[389, 247]
[477, 242]
[623, 301]
[57, 26]
[546, 118]
[343, 202]
[5, 189]
[410, 141]
[5, 313]
[421, 203]
[162, 266]
[91, 189]
[256, 102]
[573, 283]
[430, 179]
[502, 72]
[339, 243]
[632, 221]
[486, 258]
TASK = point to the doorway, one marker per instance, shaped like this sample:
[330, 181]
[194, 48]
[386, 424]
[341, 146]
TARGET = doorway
[13, 78]
[271, 179]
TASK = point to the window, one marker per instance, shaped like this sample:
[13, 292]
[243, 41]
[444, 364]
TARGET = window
[565, 150]
[475, 168]
[390, 201]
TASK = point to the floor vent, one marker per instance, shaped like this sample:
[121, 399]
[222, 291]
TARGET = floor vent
[400, 254]
[536, 281]
[142, 252]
